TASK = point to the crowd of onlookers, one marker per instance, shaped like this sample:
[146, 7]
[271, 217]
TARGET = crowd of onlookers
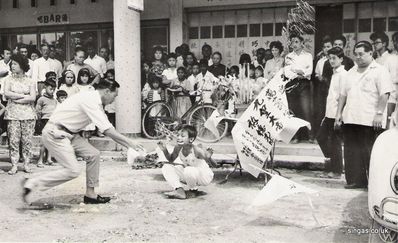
[31, 88]
[343, 99]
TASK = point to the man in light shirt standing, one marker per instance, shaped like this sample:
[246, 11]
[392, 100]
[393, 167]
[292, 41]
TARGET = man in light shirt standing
[62, 139]
[362, 109]
[95, 61]
[105, 53]
[298, 68]
[78, 63]
[57, 63]
[4, 71]
[43, 65]
[389, 61]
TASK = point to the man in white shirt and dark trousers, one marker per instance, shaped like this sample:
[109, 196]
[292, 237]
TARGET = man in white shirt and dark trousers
[298, 68]
[328, 139]
[4, 71]
[362, 109]
[61, 137]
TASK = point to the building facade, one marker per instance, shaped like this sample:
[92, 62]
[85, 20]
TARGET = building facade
[231, 27]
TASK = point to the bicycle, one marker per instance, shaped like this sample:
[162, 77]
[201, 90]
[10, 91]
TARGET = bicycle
[159, 120]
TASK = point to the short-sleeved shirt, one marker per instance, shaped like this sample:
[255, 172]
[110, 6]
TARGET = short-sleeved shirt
[302, 61]
[75, 68]
[98, 63]
[207, 84]
[70, 90]
[80, 110]
[170, 74]
[336, 84]
[272, 66]
[363, 91]
[16, 111]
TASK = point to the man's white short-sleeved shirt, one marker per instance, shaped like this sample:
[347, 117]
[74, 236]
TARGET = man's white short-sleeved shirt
[363, 91]
[80, 110]
[336, 84]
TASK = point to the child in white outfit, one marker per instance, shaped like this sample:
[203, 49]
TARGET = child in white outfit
[188, 163]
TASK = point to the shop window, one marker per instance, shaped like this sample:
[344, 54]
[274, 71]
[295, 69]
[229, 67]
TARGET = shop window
[30, 40]
[205, 32]
[81, 39]
[364, 25]
[279, 28]
[393, 24]
[349, 26]
[57, 41]
[15, 4]
[268, 29]
[229, 31]
[241, 30]
[33, 3]
[193, 33]
[254, 30]
[217, 31]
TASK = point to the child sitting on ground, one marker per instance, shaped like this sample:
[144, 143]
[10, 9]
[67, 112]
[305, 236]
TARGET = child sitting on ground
[45, 106]
[188, 163]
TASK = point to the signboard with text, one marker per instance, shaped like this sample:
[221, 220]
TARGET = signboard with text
[52, 19]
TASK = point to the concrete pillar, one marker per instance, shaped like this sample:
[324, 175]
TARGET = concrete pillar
[176, 23]
[127, 67]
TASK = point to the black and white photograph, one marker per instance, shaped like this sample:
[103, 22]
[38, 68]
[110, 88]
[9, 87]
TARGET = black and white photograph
[199, 121]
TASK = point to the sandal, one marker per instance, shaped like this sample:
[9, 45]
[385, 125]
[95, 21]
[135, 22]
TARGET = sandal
[40, 165]
[13, 170]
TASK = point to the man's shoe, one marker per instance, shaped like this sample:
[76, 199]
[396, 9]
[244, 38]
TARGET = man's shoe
[353, 186]
[178, 193]
[98, 200]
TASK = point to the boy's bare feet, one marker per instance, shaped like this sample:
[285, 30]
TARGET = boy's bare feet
[178, 193]
[14, 170]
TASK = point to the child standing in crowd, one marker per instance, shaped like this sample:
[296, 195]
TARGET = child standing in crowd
[193, 80]
[83, 80]
[110, 110]
[45, 106]
[61, 96]
[217, 69]
[328, 138]
[207, 83]
[49, 75]
[146, 69]
[259, 81]
[67, 83]
[181, 88]
[188, 164]
[170, 73]
[153, 91]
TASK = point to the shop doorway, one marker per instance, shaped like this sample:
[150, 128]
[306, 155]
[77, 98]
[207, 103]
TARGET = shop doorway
[154, 33]
[328, 21]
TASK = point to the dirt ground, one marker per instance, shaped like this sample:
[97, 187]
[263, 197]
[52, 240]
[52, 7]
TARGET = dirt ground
[140, 212]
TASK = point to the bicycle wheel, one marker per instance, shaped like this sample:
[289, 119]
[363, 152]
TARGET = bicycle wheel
[156, 113]
[199, 116]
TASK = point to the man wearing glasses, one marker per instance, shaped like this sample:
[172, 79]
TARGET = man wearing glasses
[362, 109]
[383, 57]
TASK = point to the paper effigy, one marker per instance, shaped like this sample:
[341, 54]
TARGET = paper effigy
[265, 121]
